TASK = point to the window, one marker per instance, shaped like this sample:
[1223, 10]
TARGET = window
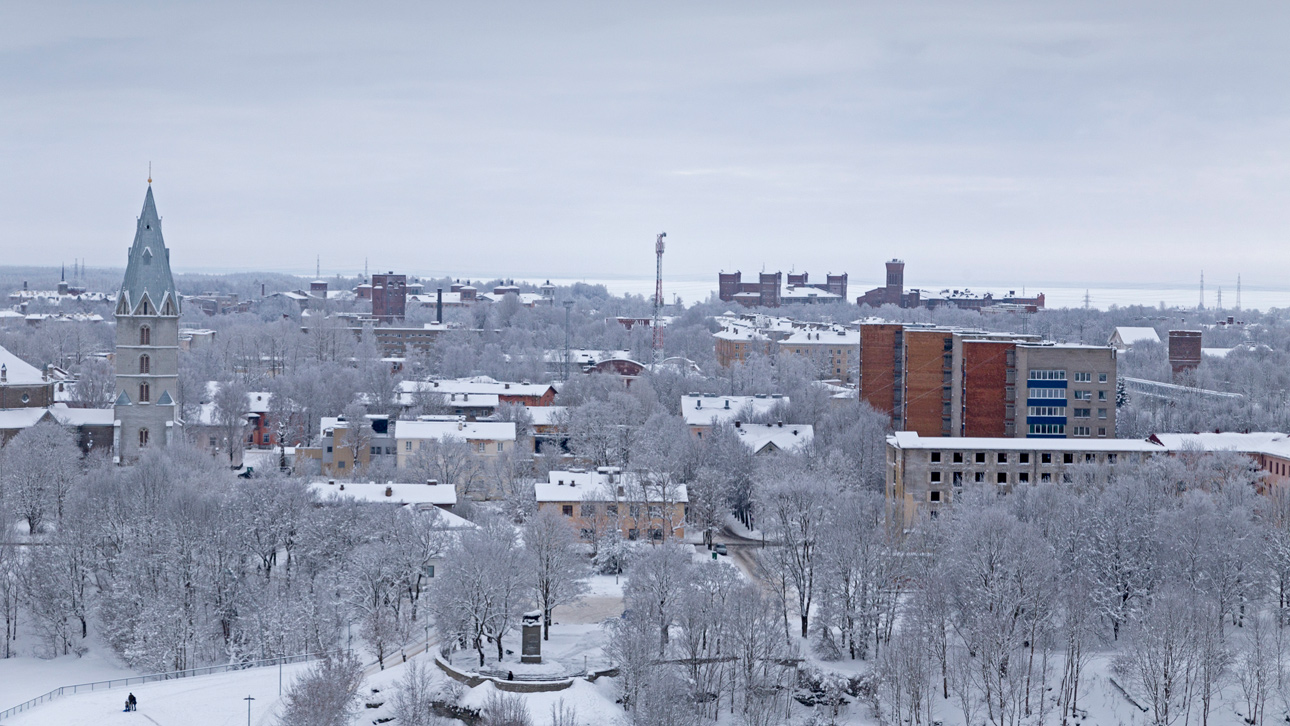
[328, 449]
[587, 510]
[567, 510]
[1080, 431]
[340, 465]
[1001, 477]
[1045, 477]
[1083, 395]
[214, 441]
[1101, 431]
[26, 398]
[1047, 393]
[480, 447]
[1082, 412]
[1083, 377]
[1046, 429]
[1101, 395]
[145, 364]
[935, 496]
[1002, 458]
[1090, 458]
[936, 477]
[1101, 413]
[265, 439]
[585, 534]
[611, 510]
[958, 457]
[958, 478]
[143, 438]
[1101, 378]
[145, 393]
[1110, 458]
[374, 451]
[936, 457]
[1024, 457]
[633, 534]
[1045, 458]
[1046, 411]
[980, 457]
[979, 477]
[1068, 458]
[499, 447]
[429, 570]
[655, 512]
[634, 510]
[1048, 375]
[145, 335]
[1024, 477]
[407, 445]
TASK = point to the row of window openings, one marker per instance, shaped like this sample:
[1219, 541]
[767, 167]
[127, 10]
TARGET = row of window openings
[481, 447]
[1023, 477]
[1002, 479]
[633, 510]
[655, 533]
[1061, 411]
[1023, 457]
[1050, 429]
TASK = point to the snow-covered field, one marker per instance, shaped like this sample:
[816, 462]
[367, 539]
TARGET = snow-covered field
[25, 678]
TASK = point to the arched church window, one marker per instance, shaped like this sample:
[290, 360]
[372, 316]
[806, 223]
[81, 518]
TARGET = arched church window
[145, 335]
[145, 364]
[143, 438]
[144, 393]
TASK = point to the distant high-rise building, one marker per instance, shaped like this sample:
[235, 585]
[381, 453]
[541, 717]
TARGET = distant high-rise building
[147, 343]
[389, 297]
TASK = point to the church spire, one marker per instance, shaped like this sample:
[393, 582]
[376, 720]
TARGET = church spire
[148, 288]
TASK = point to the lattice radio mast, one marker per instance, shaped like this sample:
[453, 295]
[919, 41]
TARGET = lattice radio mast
[658, 297]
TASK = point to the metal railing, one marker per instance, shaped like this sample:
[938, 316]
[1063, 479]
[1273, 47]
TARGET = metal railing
[153, 677]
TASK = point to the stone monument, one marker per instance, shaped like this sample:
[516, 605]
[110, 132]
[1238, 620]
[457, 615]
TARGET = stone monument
[531, 650]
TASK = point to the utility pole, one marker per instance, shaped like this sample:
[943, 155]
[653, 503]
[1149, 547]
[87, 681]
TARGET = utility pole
[658, 297]
[568, 305]
[248, 700]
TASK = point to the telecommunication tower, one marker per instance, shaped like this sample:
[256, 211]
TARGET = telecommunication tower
[658, 297]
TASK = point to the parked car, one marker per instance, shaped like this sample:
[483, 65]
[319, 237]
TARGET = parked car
[720, 549]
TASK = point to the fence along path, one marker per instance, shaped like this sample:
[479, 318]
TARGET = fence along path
[153, 677]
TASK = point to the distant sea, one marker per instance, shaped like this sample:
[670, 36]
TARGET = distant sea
[1067, 295]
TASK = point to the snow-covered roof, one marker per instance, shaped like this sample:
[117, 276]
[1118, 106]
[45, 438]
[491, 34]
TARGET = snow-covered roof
[1270, 443]
[440, 495]
[708, 410]
[775, 437]
[584, 356]
[19, 372]
[602, 485]
[477, 384]
[82, 416]
[472, 400]
[459, 428]
[545, 415]
[1128, 336]
[21, 418]
[911, 440]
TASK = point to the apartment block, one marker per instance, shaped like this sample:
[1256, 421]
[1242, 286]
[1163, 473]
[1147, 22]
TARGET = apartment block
[925, 475]
[940, 381]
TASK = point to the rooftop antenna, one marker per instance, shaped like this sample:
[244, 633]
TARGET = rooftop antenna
[658, 296]
[150, 172]
[1202, 291]
[1086, 299]
[1220, 298]
[317, 267]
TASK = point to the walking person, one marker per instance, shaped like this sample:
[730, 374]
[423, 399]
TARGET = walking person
[133, 702]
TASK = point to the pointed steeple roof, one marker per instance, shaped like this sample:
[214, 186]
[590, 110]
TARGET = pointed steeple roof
[147, 274]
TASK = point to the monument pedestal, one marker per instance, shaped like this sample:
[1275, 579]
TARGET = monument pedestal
[531, 643]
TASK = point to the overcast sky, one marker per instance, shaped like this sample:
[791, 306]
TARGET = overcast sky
[990, 141]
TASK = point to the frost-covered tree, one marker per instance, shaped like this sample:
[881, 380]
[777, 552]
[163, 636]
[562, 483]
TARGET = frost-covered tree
[559, 570]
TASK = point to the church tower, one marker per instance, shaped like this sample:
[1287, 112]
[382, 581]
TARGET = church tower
[147, 344]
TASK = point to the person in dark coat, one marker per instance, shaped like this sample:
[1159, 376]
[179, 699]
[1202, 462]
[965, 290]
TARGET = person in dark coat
[133, 702]
[510, 675]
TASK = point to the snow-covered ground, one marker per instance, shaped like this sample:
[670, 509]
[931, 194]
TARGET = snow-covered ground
[25, 678]
[214, 700]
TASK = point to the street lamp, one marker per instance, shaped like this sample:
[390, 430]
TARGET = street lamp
[248, 700]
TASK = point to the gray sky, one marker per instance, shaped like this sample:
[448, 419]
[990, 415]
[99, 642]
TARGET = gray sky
[1009, 142]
